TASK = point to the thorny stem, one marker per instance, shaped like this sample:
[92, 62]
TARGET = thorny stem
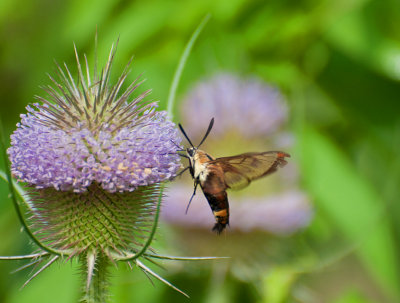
[95, 267]
[96, 284]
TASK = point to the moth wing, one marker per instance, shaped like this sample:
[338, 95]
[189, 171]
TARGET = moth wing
[240, 170]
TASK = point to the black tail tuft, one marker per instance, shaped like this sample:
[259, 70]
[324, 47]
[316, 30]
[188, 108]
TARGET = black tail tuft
[219, 227]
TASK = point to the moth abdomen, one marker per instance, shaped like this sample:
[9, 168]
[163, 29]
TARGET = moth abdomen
[220, 207]
[222, 218]
[218, 227]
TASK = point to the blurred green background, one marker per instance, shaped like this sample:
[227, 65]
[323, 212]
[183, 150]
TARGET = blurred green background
[337, 62]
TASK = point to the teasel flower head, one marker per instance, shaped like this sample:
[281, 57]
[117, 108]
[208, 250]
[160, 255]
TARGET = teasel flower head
[87, 133]
[93, 159]
[250, 116]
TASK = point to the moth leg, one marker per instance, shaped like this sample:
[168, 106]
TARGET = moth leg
[182, 171]
[191, 198]
[179, 148]
[182, 155]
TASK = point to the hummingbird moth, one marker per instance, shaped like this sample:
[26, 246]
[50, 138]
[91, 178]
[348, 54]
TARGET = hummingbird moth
[216, 175]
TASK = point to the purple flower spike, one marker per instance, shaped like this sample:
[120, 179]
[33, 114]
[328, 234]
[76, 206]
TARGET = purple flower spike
[248, 106]
[89, 135]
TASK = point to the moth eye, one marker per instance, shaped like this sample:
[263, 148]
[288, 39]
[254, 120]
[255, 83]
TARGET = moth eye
[190, 151]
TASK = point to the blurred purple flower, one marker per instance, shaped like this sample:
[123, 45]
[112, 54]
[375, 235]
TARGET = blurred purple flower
[279, 214]
[248, 106]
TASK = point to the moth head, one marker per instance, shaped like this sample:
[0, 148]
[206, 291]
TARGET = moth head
[191, 151]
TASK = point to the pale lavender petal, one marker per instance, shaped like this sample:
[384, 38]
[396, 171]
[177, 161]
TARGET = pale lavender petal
[72, 159]
[248, 106]
[282, 213]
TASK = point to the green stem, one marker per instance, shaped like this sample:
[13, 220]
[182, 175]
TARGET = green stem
[95, 288]
[13, 197]
[181, 65]
[20, 191]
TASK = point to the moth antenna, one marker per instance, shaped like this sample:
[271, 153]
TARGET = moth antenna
[207, 132]
[186, 136]
[191, 198]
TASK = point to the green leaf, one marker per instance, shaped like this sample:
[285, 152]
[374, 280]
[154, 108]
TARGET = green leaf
[352, 204]
[278, 284]
[352, 296]
[56, 284]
